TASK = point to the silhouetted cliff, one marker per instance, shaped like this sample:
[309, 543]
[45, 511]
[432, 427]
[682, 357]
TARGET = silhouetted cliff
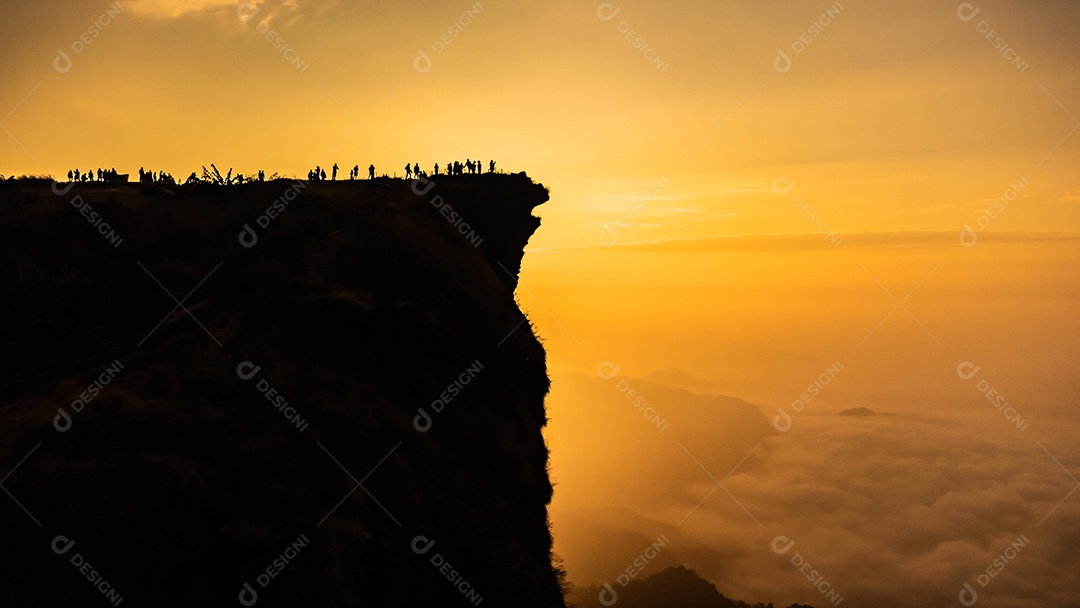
[286, 393]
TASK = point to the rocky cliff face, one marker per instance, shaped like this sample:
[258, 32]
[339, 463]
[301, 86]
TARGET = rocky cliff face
[282, 394]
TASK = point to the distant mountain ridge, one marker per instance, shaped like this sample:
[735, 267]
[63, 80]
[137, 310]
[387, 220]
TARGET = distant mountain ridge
[674, 586]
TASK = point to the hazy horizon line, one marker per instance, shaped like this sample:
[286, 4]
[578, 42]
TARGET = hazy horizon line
[816, 240]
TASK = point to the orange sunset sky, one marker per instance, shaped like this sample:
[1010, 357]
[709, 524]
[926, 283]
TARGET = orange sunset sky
[890, 118]
[742, 194]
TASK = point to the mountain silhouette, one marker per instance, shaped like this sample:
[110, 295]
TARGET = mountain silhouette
[624, 450]
[289, 393]
[674, 586]
[679, 379]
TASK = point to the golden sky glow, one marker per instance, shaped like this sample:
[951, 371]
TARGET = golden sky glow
[741, 191]
[889, 118]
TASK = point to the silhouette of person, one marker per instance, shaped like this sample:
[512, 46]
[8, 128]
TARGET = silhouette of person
[491, 167]
[262, 176]
[356, 171]
[334, 172]
[322, 176]
[408, 171]
[371, 171]
[436, 168]
[69, 175]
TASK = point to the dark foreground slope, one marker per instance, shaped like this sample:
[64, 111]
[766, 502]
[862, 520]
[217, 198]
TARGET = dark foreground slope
[262, 442]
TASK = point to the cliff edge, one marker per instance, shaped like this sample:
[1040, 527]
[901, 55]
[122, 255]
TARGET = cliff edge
[282, 394]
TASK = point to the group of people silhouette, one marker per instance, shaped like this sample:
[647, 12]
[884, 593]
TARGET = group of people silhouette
[411, 170]
[318, 174]
[103, 175]
[161, 177]
[354, 173]
[472, 167]
[452, 168]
